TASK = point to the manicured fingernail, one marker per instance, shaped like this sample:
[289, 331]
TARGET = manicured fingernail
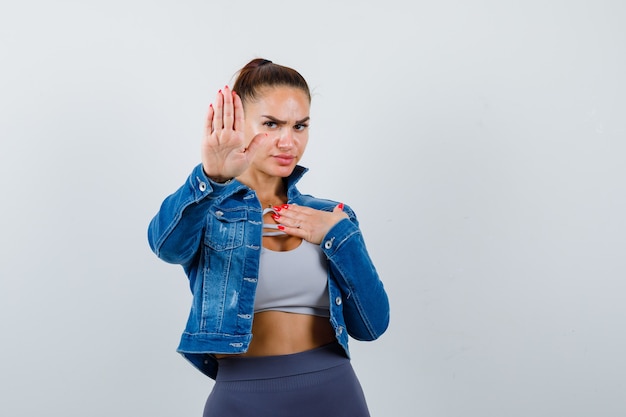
[276, 217]
[281, 227]
[285, 206]
[276, 208]
[340, 206]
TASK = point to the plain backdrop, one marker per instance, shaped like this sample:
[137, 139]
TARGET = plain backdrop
[481, 143]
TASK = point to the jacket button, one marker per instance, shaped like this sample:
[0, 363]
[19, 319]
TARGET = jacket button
[202, 186]
[338, 301]
[328, 244]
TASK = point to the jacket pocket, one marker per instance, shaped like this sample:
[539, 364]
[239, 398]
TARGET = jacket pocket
[225, 228]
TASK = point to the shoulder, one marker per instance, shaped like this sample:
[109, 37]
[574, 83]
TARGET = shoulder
[315, 202]
[324, 204]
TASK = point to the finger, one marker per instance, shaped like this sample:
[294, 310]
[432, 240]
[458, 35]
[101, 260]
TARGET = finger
[209, 120]
[294, 219]
[292, 230]
[218, 123]
[229, 111]
[239, 114]
[339, 209]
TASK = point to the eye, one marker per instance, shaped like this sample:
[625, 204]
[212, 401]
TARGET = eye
[269, 124]
[301, 126]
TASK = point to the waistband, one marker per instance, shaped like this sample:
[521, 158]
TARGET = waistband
[241, 368]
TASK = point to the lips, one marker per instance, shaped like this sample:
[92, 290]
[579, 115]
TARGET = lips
[284, 159]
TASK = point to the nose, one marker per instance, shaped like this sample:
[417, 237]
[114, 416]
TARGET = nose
[285, 140]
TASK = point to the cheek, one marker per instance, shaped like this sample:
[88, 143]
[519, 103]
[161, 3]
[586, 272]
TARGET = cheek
[303, 141]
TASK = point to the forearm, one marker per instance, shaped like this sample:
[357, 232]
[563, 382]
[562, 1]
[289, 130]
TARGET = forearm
[365, 301]
[176, 230]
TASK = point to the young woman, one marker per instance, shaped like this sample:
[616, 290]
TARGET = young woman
[279, 279]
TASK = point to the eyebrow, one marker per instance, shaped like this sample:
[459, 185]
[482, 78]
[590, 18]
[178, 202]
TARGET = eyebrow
[278, 121]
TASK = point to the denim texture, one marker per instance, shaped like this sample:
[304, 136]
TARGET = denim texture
[214, 231]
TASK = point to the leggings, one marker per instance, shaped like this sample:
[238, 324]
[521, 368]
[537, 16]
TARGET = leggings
[318, 382]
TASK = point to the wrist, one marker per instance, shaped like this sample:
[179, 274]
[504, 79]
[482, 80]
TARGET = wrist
[216, 178]
[219, 180]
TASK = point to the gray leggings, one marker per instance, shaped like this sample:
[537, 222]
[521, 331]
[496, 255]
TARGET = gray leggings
[318, 382]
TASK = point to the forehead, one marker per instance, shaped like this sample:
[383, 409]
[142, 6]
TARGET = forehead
[279, 99]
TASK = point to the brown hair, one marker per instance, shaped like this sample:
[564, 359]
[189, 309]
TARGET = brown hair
[260, 73]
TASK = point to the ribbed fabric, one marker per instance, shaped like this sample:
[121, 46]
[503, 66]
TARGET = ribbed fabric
[319, 382]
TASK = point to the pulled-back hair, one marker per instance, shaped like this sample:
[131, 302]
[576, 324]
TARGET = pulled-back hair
[260, 73]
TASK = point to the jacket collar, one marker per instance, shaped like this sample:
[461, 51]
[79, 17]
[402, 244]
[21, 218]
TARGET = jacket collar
[290, 181]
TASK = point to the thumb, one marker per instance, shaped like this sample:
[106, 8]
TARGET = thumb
[256, 142]
[338, 208]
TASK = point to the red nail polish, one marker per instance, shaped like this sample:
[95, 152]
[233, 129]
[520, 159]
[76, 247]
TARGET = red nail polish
[281, 227]
[276, 217]
[276, 208]
[340, 206]
[285, 206]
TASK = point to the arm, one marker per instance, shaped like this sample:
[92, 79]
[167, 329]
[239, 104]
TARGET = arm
[365, 302]
[175, 232]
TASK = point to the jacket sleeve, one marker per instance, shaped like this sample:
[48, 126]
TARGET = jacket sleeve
[175, 232]
[365, 301]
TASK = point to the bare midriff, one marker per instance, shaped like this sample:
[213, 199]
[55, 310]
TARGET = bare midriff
[283, 333]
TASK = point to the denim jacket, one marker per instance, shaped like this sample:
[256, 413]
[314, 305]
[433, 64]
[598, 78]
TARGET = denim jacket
[215, 232]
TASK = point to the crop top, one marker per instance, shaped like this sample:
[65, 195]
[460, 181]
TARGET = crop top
[294, 281]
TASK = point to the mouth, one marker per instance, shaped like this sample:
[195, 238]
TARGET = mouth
[284, 159]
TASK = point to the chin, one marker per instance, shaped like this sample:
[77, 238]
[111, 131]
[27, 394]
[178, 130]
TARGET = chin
[284, 171]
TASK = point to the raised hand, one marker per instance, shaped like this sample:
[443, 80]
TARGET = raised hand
[226, 152]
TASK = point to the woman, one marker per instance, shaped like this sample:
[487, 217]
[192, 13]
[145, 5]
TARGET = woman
[279, 278]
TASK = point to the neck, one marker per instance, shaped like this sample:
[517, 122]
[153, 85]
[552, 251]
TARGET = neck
[269, 190]
[272, 199]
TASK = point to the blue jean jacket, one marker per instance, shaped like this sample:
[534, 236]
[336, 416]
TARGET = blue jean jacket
[214, 231]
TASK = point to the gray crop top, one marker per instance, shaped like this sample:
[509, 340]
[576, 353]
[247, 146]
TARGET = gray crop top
[294, 281]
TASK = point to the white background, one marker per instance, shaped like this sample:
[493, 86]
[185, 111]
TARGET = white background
[481, 143]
